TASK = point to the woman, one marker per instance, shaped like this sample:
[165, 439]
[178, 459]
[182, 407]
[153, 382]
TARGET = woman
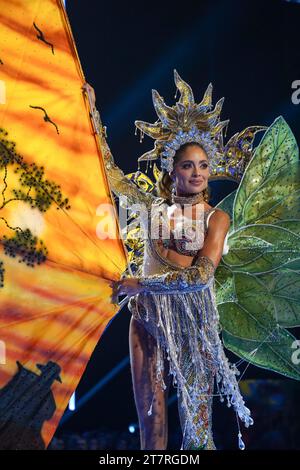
[175, 324]
[191, 178]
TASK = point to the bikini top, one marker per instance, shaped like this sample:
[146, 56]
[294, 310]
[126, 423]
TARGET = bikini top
[189, 239]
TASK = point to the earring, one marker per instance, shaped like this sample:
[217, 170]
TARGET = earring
[173, 186]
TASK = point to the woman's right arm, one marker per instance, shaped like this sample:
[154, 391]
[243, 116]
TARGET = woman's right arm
[186, 280]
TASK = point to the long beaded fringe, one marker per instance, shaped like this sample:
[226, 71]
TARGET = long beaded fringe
[186, 327]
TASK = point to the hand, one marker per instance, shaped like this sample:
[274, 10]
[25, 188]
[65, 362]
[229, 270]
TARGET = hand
[91, 92]
[128, 286]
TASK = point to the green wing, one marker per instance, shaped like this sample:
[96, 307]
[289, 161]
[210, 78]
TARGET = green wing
[258, 281]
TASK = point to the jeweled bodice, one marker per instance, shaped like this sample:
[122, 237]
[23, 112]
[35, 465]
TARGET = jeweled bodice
[157, 229]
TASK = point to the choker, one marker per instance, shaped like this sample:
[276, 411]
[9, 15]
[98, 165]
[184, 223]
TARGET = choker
[192, 199]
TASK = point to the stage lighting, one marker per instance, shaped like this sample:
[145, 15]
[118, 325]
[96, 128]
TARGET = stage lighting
[72, 403]
[131, 428]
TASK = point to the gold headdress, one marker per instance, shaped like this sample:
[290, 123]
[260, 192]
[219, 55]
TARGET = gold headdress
[188, 121]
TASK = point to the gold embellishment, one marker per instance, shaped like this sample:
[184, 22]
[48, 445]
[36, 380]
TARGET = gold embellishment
[187, 121]
[194, 276]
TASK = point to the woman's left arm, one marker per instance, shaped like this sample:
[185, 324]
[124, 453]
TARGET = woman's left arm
[218, 228]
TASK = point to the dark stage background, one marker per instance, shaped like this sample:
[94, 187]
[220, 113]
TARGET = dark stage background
[250, 51]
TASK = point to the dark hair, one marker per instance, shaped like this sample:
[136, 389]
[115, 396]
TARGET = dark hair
[163, 184]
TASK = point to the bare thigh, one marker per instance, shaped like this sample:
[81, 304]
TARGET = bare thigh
[143, 350]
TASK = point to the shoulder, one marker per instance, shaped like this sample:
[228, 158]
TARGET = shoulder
[219, 219]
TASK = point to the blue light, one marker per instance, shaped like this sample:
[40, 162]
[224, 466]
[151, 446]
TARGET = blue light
[131, 428]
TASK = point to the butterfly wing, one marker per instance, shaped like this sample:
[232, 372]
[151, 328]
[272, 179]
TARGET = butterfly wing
[257, 281]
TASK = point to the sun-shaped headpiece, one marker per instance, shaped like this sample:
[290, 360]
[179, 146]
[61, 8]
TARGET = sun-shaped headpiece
[187, 121]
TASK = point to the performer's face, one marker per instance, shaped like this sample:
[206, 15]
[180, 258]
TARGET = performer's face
[191, 171]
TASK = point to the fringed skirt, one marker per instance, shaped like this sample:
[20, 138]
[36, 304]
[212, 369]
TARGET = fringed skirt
[186, 328]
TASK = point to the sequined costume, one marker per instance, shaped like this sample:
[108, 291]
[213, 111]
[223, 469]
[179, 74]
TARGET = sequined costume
[252, 297]
[179, 311]
[181, 314]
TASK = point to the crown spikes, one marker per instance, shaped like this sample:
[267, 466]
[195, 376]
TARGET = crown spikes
[151, 155]
[218, 107]
[186, 92]
[219, 127]
[188, 120]
[213, 115]
[166, 114]
[153, 130]
[247, 135]
[206, 100]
